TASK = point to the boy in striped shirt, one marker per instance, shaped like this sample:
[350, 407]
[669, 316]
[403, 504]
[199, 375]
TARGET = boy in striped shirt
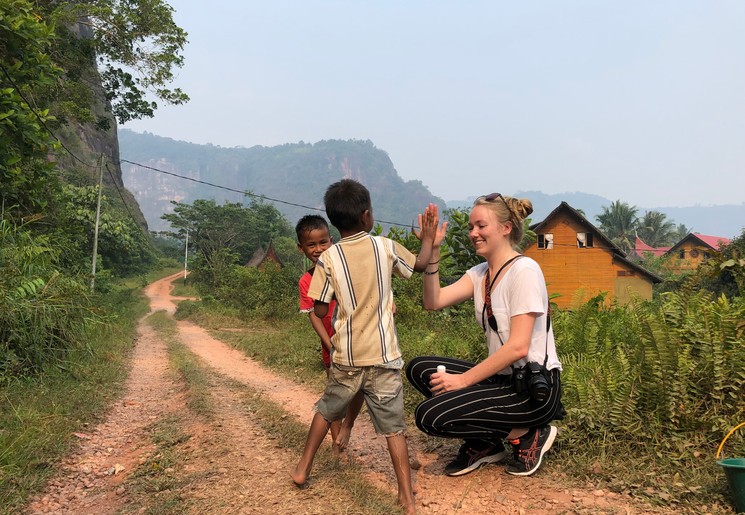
[357, 272]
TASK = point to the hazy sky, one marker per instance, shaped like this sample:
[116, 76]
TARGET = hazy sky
[642, 101]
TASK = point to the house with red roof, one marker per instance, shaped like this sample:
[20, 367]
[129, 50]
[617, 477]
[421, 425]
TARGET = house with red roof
[641, 248]
[693, 250]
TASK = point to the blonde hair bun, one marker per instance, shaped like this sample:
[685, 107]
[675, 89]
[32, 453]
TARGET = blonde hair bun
[521, 206]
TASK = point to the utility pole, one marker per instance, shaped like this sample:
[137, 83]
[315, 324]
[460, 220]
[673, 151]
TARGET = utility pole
[186, 254]
[95, 231]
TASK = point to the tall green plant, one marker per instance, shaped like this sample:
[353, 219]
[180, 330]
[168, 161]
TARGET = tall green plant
[43, 313]
[667, 367]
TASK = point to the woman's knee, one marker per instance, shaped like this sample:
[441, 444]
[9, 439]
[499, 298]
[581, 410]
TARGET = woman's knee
[428, 417]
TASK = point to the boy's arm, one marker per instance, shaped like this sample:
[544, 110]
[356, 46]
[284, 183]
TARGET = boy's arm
[320, 309]
[320, 329]
[428, 232]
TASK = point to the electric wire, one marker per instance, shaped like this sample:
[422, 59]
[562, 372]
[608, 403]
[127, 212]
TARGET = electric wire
[41, 120]
[243, 192]
[121, 196]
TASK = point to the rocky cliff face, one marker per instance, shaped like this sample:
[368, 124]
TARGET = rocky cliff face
[292, 173]
[89, 140]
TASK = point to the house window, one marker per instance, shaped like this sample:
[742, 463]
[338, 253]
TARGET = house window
[707, 254]
[584, 240]
[681, 254]
[694, 253]
[546, 241]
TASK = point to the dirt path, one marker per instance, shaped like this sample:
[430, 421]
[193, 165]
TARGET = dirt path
[233, 466]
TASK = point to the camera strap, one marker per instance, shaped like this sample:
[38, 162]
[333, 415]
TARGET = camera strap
[548, 326]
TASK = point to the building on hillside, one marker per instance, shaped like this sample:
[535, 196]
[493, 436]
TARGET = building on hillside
[261, 257]
[694, 249]
[579, 261]
[641, 248]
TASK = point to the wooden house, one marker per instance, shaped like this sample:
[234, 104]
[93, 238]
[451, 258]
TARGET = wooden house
[579, 262]
[694, 249]
[261, 257]
[641, 248]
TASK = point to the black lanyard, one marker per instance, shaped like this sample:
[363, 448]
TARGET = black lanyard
[491, 283]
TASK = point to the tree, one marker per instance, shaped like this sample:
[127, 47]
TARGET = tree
[618, 223]
[458, 253]
[53, 58]
[25, 67]
[227, 234]
[680, 232]
[135, 46]
[655, 229]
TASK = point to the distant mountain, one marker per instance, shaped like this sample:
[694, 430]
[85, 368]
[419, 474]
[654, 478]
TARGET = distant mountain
[293, 174]
[725, 220]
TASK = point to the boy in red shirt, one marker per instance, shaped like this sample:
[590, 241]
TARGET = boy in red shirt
[313, 238]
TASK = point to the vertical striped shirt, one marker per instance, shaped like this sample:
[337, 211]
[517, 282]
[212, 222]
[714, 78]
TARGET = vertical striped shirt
[357, 271]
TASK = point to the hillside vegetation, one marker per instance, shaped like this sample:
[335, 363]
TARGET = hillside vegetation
[297, 173]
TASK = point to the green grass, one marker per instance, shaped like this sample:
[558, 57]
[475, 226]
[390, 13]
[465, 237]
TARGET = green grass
[184, 363]
[38, 415]
[142, 280]
[184, 290]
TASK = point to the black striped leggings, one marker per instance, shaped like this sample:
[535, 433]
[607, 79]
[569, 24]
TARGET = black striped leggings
[488, 410]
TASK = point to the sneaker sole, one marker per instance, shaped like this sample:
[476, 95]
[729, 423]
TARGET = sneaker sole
[492, 458]
[546, 446]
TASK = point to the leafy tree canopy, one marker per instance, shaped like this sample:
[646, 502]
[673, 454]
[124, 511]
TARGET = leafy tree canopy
[656, 230]
[135, 45]
[618, 223]
[215, 228]
[25, 43]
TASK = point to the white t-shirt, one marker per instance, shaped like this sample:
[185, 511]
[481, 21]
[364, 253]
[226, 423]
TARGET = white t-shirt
[522, 289]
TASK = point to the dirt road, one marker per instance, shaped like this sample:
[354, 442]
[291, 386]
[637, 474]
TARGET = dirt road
[231, 465]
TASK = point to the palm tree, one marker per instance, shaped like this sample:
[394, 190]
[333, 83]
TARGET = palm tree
[656, 230]
[618, 223]
[680, 232]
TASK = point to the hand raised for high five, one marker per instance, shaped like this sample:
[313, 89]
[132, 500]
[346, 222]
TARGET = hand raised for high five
[429, 226]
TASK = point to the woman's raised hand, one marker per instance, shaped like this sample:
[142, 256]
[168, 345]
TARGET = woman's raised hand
[429, 226]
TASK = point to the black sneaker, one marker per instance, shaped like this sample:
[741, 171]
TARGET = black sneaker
[470, 458]
[528, 450]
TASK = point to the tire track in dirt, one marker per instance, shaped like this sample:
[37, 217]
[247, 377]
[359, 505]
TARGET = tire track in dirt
[90, 479]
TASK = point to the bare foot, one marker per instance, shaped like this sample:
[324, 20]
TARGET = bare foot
[336, 451]
[299, 477]
[342, 439]
[409, 507]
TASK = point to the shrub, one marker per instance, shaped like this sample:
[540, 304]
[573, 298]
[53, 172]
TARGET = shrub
[43, 313]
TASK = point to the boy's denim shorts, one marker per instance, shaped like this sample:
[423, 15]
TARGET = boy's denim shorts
[383, 390]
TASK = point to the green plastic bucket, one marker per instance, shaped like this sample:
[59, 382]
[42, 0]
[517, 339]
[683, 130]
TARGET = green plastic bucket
[734, 469]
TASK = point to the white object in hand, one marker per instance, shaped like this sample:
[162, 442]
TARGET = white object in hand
[441, 369]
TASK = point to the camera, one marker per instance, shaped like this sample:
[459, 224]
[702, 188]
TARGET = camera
[532, 377]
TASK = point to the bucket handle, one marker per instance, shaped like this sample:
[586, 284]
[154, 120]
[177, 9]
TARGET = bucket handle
[721, 445]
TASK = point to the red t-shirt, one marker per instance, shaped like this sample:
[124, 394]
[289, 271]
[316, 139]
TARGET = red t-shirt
[306, 306]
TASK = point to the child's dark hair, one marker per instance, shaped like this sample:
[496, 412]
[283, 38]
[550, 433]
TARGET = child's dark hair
[345, 202]
[309, 223]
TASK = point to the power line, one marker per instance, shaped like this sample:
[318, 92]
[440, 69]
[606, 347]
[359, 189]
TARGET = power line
[243, 192]
[41, 120]
[121, 196]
